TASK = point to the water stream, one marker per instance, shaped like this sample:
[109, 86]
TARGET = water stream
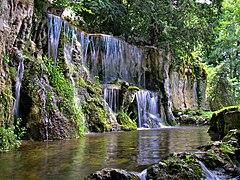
[148, 116]
[74, 159]
[207, 174]
[20, 72]
[111, 96]
[54, 31]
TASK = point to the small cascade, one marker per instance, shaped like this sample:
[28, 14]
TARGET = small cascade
[147, 103]
[19, 77]
[207, 174]
[71, 44]
[111, 96]
[54, 31]
[142, 175]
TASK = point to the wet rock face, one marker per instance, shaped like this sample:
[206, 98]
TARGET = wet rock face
[224, 120]
[185, 93]
[15, 18]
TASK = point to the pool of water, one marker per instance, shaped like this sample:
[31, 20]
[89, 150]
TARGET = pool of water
[74, 159]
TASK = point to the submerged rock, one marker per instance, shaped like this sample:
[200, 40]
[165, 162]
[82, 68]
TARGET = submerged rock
[114, 174]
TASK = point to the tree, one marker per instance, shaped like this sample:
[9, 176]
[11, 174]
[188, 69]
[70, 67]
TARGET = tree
[225, 51]
[180, 25]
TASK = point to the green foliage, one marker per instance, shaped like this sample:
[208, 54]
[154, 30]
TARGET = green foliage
[126, 123]
[5, 58]
[61, 85]
[199, 113]
[222, 91]
[96, 114]
[62, 3]
[39, 6]
[6, 94]
[77, 6]
[94, 108]
[225, 51]
[64, 88]
[9, 136]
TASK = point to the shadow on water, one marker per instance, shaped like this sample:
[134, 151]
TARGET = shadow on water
[74, 159]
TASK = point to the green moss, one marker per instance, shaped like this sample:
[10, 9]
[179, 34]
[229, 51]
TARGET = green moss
[177, 166]
[8, 131]
[224, 120]
[126, 123]
[60, 83]
[96, 114]
[199, 113]
[133, 88]
[57, 93]
[225, 110]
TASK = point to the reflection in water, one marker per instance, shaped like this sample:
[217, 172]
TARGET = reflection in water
[74, 159]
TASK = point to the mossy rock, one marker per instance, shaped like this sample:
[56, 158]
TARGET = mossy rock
[126, 123]
[177, 166]
[224, 120]
[116, 174]
[96, 115]
[223, 154]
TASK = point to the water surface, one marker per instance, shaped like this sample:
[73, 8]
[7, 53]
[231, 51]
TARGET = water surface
[74, 159]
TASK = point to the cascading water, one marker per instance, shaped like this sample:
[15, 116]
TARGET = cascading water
[54, 31]
[147, 103]
[19, 77]
[71, 44]
[207, 174]
[107, 57]
[119, 60]
[111, 96]
[110, 59]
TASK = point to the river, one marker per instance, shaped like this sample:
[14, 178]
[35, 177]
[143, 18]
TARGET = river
[74, 159]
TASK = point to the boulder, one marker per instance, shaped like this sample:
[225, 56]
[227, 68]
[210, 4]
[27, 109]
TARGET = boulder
[224, 120]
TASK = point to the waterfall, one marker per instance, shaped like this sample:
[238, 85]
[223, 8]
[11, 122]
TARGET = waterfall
[117, 59]
[147, 103]
[109, 58]
[19, 77]
[111, 96]
[54, 31]
[104, 56]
